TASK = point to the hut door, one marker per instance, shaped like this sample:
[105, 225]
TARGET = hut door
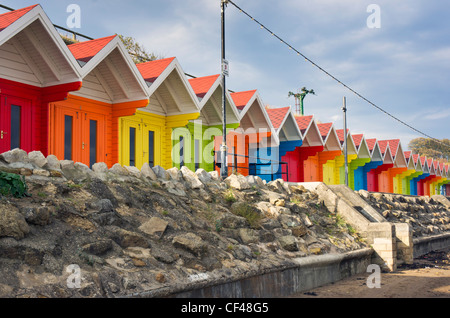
[80, 136]
[151, 143]
[15, 123]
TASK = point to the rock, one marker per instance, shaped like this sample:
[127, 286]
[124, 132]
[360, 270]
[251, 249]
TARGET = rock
[148, 172]
[160, 278]
[137, 252]
[174, 173]
[133, 171]
[232, 221]
[190, 178]
[174, 188]
[100, 168]
[52, 163]
[215, 175]
[203, 176]
[103, 205]
[154, 227]
[264, 207]
[12, 223]
[162, 256]
[190, 242]
[15, 155]
[129, 239]
[306, 220]
[298, 189]
[119, 170]
[299, 230]
[37, 159]
[161, 173]
[276, 211]
[279, 186]
[276, 199]
[289, 243]
[248, 235]
[39, 215]
[98, 248]
[255, 181]
[289, 221]
[84, 170]
[237, 182]
[77, 172]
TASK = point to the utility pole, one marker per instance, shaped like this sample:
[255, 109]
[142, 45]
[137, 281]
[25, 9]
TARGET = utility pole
[224, 63]
[344, 109]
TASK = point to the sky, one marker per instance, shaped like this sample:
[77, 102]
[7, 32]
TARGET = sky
[396, 53]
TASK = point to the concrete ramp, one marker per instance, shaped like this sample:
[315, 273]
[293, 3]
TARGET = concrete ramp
[392, 242]
[354, 200]
[443, 199]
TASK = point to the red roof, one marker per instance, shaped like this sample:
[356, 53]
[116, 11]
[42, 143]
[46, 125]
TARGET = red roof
[393, 146]
[152, 70]
[357, 139]
[85, 51]
[383, 146]
[303, 122]
[415, 158]
[202, 85]
[340, 133]
[6, 19]
[407, 155]
[423, 160]
[371, 143]
[430, 162]
[277, 115]
[324, 129]
[436, 164]
[241, 99]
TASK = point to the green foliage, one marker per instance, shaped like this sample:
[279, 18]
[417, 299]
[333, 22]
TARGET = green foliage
[248, 212]
[430, 148]
[13, 184]
[229, 196]
[137, 52]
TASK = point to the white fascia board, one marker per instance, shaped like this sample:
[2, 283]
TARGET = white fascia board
[37, 13]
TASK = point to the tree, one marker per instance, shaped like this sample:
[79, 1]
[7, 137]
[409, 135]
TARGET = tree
[430, 148]
[301, 96]
[137, 52]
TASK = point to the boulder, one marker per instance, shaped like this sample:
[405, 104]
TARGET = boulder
[14, 155]
[148, 172]
[203, 176]
[12, 223]
[248, 235]
[237, 182]
[161, 173]
[100, 167]
[191, 178]
[190, 242]
[119, 170]
[37, 159]
[53, 163]
[39, 215]
[133, 171]
[289, 243]
[174, 174]
[154, 227]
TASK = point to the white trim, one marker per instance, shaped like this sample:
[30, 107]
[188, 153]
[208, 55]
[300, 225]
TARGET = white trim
[37, 13]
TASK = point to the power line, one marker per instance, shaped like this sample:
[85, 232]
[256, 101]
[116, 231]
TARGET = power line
[332, 76]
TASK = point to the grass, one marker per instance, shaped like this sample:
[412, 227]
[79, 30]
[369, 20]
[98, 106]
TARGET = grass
[229, 196]
[249, 213]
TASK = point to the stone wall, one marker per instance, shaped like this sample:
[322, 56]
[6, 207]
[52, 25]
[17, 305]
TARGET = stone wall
[155, 232]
